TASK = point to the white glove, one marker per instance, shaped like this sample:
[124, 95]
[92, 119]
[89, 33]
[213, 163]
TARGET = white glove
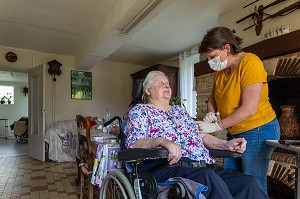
[207, 127]
[211, 117]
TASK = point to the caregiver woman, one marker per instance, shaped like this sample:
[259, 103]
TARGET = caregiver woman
[240, 96]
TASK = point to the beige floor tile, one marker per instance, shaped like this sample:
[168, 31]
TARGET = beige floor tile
[22, 177]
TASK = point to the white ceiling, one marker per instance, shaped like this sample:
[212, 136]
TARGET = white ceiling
[69, 27]
[9, 76]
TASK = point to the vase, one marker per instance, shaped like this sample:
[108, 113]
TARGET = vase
[289, 127]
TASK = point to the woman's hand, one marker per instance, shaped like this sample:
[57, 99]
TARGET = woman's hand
[237, 145]
[207, 127]
[211, 117]
[174, 151]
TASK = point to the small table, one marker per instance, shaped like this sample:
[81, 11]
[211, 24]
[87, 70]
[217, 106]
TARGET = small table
[295, 148]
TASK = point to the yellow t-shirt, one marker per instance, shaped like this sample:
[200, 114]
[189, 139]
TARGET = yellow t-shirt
[228, 91]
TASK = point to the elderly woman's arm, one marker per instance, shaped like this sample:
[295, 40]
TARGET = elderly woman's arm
[235, 145]
[174, 149]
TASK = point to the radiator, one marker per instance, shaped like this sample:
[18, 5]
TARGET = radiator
[3, 128]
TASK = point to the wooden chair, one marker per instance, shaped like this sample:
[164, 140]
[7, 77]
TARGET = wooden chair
[86, 156]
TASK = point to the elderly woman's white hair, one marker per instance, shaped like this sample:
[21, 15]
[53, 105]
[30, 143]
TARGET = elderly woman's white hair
[149, 80]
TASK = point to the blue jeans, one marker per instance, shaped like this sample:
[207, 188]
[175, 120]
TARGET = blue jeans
[255, 159]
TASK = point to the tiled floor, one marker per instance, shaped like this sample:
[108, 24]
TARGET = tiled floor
[11, 148]
[24, 177]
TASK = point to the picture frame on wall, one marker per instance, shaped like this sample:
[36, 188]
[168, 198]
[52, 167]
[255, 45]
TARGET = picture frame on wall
[81, 85]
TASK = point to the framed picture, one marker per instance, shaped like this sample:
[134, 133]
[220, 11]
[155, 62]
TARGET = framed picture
[81, 85]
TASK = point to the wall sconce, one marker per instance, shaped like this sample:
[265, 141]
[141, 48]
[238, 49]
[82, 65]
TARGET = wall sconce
[25, 90]
[54, 68]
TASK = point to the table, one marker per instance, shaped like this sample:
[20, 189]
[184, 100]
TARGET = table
[295, 148]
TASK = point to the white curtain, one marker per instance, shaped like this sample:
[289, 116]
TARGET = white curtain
[187, 59]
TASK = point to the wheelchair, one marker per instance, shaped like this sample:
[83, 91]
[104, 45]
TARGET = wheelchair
[134, 184]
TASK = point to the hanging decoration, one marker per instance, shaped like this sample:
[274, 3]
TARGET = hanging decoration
[25, 90]
[258, 14]
[54, 68]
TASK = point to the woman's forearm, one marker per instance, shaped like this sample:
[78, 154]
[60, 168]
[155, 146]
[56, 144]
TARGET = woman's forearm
[211, 104]
[236, 117]
[148, 143]
[212, 142]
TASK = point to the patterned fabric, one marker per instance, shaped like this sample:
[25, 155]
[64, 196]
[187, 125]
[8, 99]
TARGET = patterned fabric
[193, 189]
[54, 136]
[176, 125]
[62, 137]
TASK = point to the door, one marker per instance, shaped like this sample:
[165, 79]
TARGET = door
[36, 112]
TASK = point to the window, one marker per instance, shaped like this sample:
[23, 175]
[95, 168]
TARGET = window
[7, 94]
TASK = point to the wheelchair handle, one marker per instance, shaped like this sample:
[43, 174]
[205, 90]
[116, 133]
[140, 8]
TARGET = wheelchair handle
[111, 121]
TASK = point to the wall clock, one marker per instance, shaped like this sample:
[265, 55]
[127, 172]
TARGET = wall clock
[11, 57]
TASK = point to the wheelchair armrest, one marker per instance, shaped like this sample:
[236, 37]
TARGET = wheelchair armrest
[136, 154]
[224, 154]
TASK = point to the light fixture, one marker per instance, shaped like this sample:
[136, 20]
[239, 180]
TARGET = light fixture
[144, 13]
[54, 68]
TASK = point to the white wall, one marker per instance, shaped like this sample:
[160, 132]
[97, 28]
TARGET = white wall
[14, 112]
[112, 87]
[229, 20]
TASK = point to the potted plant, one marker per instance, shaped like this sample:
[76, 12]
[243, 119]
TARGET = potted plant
[176, 101]
[3, 99]
[8, 99]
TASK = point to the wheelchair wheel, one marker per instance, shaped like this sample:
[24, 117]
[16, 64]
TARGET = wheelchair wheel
[177, 191]
[116, 186]
[148, 186]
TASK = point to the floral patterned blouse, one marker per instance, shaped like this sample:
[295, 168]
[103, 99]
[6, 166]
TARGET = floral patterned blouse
[176, 125]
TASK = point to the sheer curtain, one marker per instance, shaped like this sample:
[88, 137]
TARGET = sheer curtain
[187, 59]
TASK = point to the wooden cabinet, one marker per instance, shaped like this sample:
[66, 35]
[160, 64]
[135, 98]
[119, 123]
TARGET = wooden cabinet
[170, 71]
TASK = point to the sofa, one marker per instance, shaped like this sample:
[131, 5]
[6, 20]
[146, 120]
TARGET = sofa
[61, 139]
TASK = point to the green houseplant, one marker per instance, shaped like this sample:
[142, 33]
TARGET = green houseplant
[3, 99]
[175, 100]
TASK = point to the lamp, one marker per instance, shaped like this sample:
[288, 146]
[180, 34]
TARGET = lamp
[25, 90]
[144, 13]
[54, 68]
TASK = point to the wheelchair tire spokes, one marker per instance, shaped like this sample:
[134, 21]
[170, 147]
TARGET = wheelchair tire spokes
[116, 186]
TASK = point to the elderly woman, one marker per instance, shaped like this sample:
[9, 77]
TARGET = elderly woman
[158, 124]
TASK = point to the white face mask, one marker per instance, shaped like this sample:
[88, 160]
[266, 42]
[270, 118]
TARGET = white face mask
[216, 64]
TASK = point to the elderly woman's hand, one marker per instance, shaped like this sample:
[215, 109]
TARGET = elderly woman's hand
[237, 145]
[174, 151]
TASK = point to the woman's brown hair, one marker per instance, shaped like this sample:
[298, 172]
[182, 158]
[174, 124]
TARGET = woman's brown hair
[217, 37]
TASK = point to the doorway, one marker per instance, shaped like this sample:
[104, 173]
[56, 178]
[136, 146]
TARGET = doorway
[10, 112]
